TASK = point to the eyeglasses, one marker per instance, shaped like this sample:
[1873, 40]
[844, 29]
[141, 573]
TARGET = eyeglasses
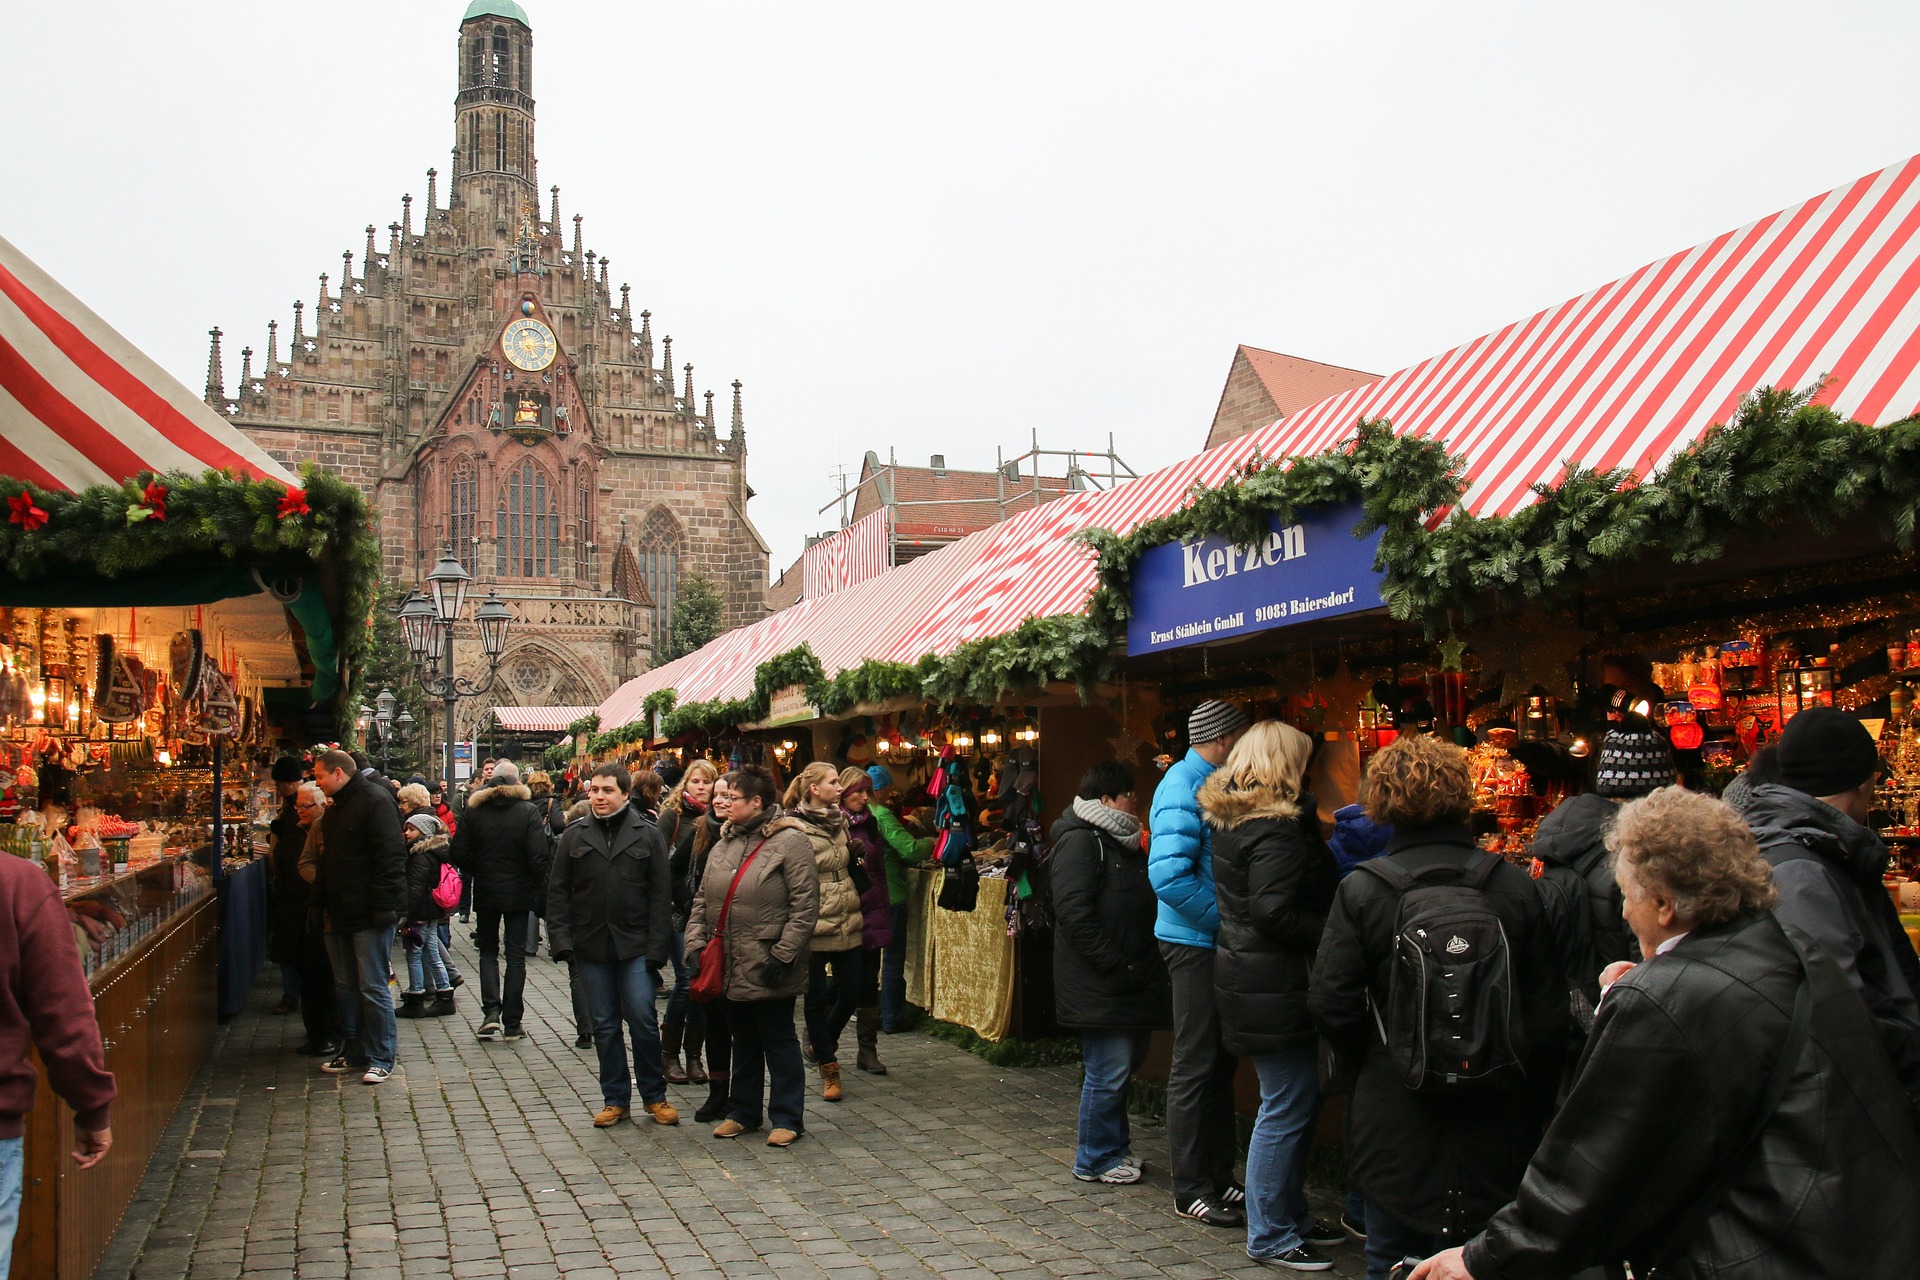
[306, 804]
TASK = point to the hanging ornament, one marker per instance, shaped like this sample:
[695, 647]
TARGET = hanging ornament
[23, 513]
[1453, 652]
[293, 503]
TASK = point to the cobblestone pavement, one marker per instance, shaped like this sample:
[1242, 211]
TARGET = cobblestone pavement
[482, 1160]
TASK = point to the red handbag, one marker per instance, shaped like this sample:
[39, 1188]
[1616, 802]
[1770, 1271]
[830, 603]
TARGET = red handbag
[711, 983]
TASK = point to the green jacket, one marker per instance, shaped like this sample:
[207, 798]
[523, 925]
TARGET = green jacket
[903, 849]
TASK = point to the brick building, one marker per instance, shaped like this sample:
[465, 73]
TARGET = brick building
[477, 375]
[1265, 386]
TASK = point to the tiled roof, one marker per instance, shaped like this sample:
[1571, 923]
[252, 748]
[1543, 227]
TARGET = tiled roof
[787, 588]
[1281, 385]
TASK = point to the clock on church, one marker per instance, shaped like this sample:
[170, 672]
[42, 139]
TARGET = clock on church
[529, 345]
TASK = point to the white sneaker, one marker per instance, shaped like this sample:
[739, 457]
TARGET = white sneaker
[1120, 1175]
[375, 1075]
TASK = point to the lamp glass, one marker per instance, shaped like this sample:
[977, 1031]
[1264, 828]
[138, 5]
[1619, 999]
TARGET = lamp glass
[449, 581]
[436, 639]
[492, 618]
[416, 620]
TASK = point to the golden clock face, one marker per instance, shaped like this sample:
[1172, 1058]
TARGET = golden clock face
[530, 345]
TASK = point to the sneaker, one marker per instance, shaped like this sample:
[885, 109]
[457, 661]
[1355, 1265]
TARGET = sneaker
[1235, 1195]
[1210, 1211]
[1120, 1175]
[514, 1033]
[609, 1116]
[1134, 1161]
[337, 1065]
[490, 1028]
[783, 1137]
[663, 1112]
[1320, 1235]
[1299, 1258]
[375, 1075]
[1352, 1228]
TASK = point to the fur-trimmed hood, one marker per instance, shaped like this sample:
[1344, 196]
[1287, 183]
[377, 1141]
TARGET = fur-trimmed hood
[505, 795]
[1224, 807]
[436, 845]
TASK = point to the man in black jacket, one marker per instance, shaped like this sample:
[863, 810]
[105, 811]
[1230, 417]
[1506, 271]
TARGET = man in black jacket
[1828, 866]
[362, 884]
[612, 899]
[1734, 1115]
[503, 844]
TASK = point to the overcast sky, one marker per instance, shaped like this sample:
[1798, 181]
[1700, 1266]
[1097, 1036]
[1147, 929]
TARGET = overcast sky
[941, 228]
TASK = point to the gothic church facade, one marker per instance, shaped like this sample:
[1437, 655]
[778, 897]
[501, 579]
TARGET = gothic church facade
[478, 377]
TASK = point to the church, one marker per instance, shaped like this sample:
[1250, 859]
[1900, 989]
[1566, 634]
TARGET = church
[476, 374]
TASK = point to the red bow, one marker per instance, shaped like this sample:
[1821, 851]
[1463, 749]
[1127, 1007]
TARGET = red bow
[294, 503]
[24, 513]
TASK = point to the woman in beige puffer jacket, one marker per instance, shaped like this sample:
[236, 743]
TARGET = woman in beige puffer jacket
[813, 805]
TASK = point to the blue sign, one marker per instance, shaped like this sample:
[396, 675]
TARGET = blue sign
[1210, 589]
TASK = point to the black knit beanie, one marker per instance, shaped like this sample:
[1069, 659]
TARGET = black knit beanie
[1826, 751]
[1633, 761]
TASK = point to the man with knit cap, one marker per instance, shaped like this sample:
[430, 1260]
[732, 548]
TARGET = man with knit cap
[1828, 867]
[1202, 1138]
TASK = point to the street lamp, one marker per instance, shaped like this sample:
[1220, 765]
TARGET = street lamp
[427, 619]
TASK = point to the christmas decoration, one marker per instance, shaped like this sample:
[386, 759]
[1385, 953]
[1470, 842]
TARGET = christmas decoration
[1452, 653]
[23, 513]
[293, 503]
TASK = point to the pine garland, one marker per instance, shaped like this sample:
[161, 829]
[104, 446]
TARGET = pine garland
[589, 723]
[119, 531]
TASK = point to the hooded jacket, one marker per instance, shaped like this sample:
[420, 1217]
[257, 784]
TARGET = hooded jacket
[1356, 838]
[1828, 869]
[610, 892]
[424, 857]
[838, 927]
[1107, 971]
[1578, 891]
[1180, 858]
[1274, 879]
[503, 844]
[769, 933]
[1672, 1083]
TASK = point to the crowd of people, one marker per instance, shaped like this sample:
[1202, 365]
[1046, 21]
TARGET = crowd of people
[778, 898]
[1682, 1039]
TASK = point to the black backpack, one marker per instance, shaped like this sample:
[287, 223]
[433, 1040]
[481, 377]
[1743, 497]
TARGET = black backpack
[1452, 1024]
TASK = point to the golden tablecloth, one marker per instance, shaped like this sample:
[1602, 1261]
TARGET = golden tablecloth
[960, 964]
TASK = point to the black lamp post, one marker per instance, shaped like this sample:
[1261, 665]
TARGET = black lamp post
[427, 618]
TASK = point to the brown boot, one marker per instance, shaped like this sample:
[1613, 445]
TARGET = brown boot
[670, 1035]
[696, 1037]
[830, 1081]
[868, 1024]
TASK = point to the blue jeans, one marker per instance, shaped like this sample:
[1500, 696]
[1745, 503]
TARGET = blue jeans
[680, 1006]
[766, 1051]
[1389, 1241]
[621, 991]
[893, 974]
[12, 1175]
[1277, 1156]
[1110, 1058]
[445, 931]
[427, 964]
[360, 962]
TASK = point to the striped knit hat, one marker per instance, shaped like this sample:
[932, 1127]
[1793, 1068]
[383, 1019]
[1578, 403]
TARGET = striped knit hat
[1632, 763]
[1214, 720]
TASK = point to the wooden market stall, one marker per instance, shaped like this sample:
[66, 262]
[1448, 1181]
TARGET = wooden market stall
[173, 603]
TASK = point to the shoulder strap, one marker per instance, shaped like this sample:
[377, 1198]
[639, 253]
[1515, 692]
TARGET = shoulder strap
[726, 906]
[1479, 869]
[1783, 1067]
[1387, 869]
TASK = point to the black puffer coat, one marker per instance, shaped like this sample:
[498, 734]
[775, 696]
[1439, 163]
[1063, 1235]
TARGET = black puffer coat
[363, 861]
[290, 892]
[1107, 970]
[1274, 878]
[1672, 1084]
[503, 845]
[1440, 1164]
[424, 859]
[1577, 888]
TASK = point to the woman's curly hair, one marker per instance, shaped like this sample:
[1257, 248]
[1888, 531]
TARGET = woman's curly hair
[1416, 781]
[1695, 850]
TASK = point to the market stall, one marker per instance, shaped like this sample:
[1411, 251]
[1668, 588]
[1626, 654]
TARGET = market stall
[173, 603]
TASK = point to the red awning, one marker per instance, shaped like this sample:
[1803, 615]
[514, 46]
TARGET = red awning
[538, 719]
[80, 405]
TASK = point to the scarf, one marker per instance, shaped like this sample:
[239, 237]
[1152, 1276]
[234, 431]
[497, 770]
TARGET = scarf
[1123, 827]
[831, 821]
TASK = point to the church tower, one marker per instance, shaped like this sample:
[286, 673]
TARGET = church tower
[493, 112]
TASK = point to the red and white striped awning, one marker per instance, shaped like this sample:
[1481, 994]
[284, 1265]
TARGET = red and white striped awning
[1624, 376]
[80, 405]
[538, 719]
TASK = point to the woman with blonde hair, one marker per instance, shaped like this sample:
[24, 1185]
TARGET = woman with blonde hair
[1274, 879]
[813, 801]
[681, 817]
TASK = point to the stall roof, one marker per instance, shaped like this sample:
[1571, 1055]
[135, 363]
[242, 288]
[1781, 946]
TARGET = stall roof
[539, 719]
[80, 405]
[1625, 375]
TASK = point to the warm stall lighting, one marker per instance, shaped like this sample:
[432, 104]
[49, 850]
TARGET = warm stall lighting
[991, 738]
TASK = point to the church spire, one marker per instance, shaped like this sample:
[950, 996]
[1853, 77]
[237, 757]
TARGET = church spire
[406, 215]
[322, 304]
[216, 379]
[646, 339]
[299, 338]
[493, 111]
[666, 362]
[246, 369]
[273, 344]
[366, 263]
[576, 236]
[433, 193]
[346, 274]
[687, 396]
[709, 397]
[738, 435]
[554, 220]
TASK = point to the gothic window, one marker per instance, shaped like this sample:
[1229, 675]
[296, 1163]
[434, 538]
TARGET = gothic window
[500, 142]
[502, 57]
[529, 537]
[584, 569]
[658, 551]
[463, 501]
